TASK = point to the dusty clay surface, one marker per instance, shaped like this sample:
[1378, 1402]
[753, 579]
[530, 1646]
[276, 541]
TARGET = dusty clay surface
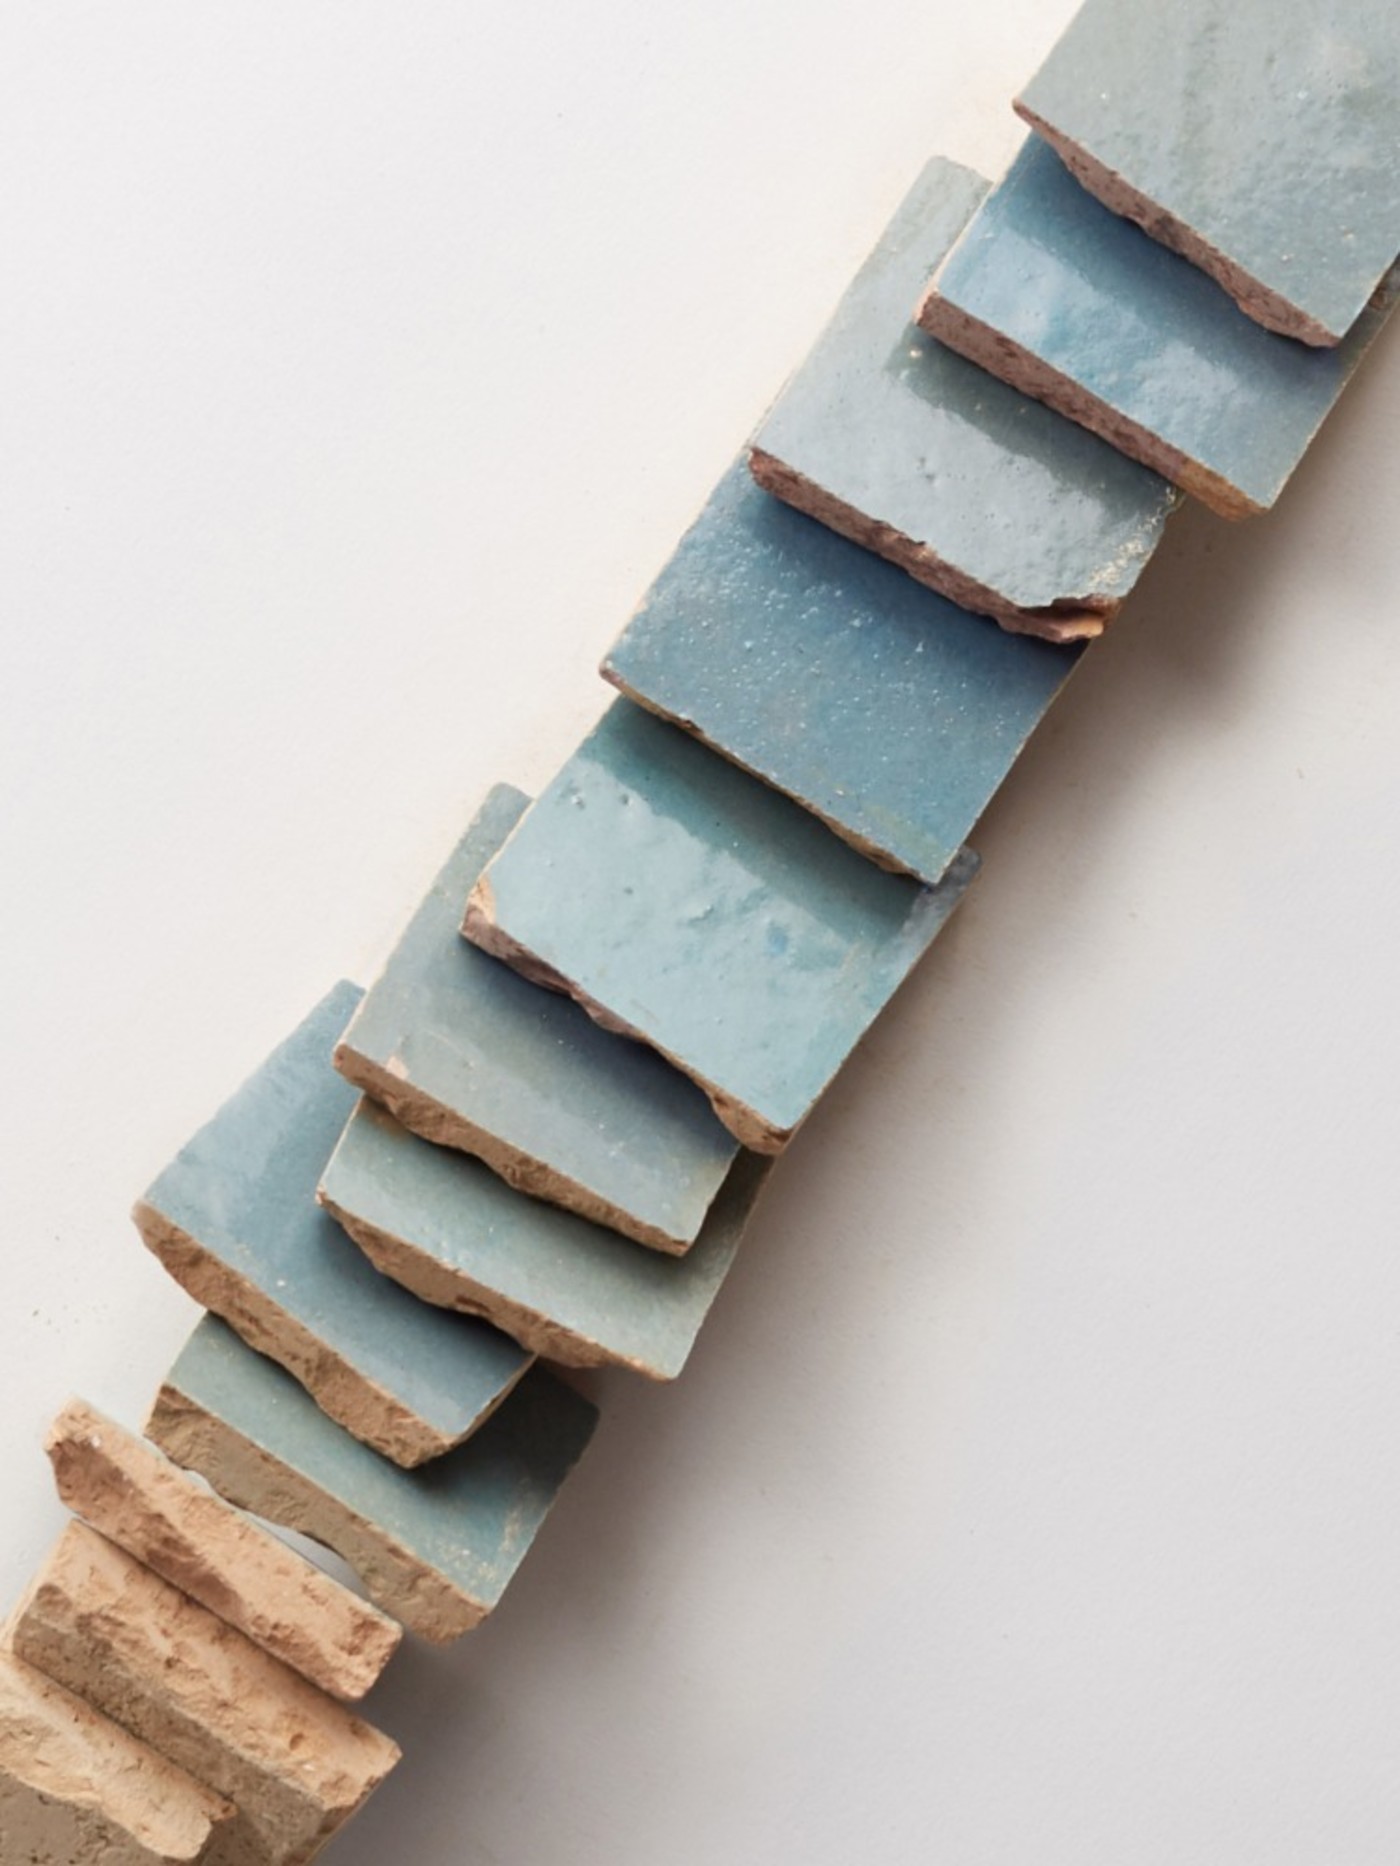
[124, 1488]
[76, 1790]
[479, 926]
[294, 1763]
[425, 1601]
[373, 1416]
[992, 351]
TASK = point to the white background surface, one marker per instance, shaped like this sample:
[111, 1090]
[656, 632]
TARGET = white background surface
[1032, 1493]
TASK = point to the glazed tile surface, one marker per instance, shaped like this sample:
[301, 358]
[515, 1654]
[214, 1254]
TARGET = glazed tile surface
[244, 1191]
[466, 1519]
[1270, 129]
[455, 1233]
[464, 1051]
[891, 714]
[1029, 513]
[710, 915]
[1158, 349]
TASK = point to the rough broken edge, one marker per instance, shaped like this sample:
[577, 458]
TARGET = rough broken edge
[747, 1126]
[218, 1556]
[1066, 620]
[125, 1802]
[400, 1582]
[343, 1393]
[1258, 301]
[433, 1120]
[1003, 357]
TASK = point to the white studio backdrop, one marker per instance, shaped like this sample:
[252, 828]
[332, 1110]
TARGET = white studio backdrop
[1032, 1492]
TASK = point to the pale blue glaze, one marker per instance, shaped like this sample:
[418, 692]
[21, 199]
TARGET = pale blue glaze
[711, 914]
[911, 436]
[532, 1069]
[604, 1297]
[1144, 332]
[469, 1516]
[245, 1190]
[880, 706]
[1270, 128]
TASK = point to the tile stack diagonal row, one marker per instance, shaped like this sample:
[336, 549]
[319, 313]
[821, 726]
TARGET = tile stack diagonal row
[536, 1142]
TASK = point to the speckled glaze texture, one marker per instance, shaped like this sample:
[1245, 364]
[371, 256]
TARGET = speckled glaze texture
[435, 1547]
[1127, 335]
[711, 916]
[465, 1052]
[1023, 514]
[891, 714]
[456, 1234]
[242, 1230]
[1262, 137]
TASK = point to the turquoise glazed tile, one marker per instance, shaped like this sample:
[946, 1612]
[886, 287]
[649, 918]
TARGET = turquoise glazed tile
[967, 485]
[1077, 305]
[234, 1219]
[455, 1234]
[468, 1054]
[825, 671]
[435, 1547]
[705, 913]
[1261, 138]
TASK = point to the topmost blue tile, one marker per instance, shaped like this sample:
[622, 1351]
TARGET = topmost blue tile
[1260, 138]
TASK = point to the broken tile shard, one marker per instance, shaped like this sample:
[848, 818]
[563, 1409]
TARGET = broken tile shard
[234, 1219]
[1259, 138]
[78, 1790]
[467, 1054]
[295, 1764]
[881, 707]
[689, 905]
[906, 448]
[435, 1547]
[1079, 307]
[125, 1489]
[454, 1234]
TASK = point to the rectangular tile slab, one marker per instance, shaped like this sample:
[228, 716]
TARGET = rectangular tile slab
[876, 704]
[436, 1546]
[455, 1234]
[234, 1219]
[125, 1489]
[901, 445]
[1259, 138]
[1076, 305]
[466, 1053]
[680, 900]
[78, 1790]
[295, 1764]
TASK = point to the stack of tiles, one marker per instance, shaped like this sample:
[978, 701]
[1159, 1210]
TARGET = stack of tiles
[542, 1133]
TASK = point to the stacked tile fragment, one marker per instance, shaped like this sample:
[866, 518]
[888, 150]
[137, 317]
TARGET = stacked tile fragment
[537, 1142]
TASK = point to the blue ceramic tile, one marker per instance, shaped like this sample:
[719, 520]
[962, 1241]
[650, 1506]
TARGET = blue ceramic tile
[969, 486]
[1078, 305]
[455, 1234]
[234, 1219]
[1261, 138]
[467, 1054]
[436, 1546]
[825, 671]
[688, 903]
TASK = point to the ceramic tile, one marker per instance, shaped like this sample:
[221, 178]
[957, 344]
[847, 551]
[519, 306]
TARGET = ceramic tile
[879, 706]
[684, 901]
[1079, 306]
[234, 1219]
[455, 1234]
[970, 487]
[467, 1054]
[1261, 138]
[435, 1547]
